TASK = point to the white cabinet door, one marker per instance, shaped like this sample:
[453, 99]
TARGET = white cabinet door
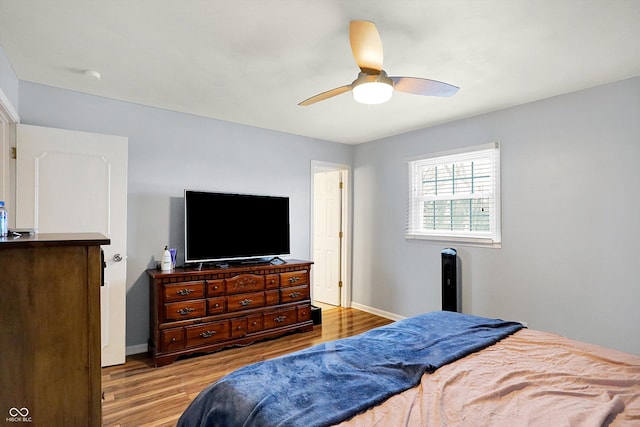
[69, 181]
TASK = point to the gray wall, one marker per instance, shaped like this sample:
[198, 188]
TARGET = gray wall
[169, 152]
[570, 236]
[570, 205]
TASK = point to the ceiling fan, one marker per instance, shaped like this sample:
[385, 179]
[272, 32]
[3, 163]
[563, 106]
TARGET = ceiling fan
[373, 86]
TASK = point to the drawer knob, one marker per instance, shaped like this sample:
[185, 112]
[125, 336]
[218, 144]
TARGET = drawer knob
[184, 291]
[245, 302]
[216, 305]
[280, 319]
[207, 334]
[186, 310]
[173, 339]
[294, 294]
[254, 323]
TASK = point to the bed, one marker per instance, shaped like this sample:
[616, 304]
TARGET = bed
[439, 368]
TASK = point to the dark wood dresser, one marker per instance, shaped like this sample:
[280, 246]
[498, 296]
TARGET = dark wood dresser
[50, 329]
[198, 311]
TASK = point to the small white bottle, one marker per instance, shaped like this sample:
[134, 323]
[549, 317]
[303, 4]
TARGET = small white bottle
[4, 219]
[166, 264]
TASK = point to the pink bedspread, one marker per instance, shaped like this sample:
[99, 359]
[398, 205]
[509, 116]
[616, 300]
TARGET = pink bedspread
[531, 378]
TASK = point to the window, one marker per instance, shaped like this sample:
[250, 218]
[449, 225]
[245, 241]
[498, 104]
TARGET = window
[456, 196]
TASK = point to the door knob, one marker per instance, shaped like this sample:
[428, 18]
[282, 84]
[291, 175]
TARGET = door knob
[117, 257]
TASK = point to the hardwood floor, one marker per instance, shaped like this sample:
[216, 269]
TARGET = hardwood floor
[137, 394]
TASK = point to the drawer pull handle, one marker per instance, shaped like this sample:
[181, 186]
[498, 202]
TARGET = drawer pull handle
[207, 334]
[173, 339]
[184, 291]
[280, 319]
[245, 302]
[186, 310]
[294, 279]
[294, 294]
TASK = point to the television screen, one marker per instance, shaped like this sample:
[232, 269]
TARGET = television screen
[226, 226]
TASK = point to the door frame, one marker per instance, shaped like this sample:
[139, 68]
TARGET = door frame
[8, 119]
[345, 262]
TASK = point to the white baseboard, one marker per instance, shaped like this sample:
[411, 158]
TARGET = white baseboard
[136, 349]
[377, 312]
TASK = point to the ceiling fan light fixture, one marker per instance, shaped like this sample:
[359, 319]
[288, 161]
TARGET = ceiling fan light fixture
[372, 89]
[372, 93]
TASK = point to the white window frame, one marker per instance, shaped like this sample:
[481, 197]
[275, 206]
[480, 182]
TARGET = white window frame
[415, 229]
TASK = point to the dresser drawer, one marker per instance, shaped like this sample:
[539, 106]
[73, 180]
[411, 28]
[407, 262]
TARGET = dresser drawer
[238, 327]
[215, 287]
[185, 309]
[272, 281]
[272, 297]
[295, 293]
[255, 323]
[279, 318]
[208, 333]
[294, 278]
[216, 305]
[245, 301]
[172, 339]
[304, 313]
[244, 283]
[184, 291]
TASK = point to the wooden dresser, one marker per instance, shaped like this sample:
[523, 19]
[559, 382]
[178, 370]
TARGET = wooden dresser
[197, 311]
[50, 330]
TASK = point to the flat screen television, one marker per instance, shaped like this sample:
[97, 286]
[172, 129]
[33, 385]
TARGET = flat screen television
[228, 226]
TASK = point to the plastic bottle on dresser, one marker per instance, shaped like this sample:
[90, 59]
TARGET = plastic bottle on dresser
[3, 220]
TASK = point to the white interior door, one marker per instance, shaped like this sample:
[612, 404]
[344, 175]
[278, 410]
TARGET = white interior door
[68, 181]
[327, 208]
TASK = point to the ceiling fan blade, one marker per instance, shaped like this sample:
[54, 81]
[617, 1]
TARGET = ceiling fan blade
[366, 46]
[325, 95]
[424, 87]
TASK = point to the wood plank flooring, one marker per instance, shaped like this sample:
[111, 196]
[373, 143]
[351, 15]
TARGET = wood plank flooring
[137, 394]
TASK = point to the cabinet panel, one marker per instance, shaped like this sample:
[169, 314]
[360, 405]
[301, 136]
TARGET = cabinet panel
[255, 323]
[216, 305]
[272, 281]
[172, 339]
[279, 318]
[185, 310]
[215, 287]
[294, 278]
[245, 301]
[272, 297]
[304, 313]
[184, 291]
[208, 333]
[244, 283]
[239, 327]
[292, 294]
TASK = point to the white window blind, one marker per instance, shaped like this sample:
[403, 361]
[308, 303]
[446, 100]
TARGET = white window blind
[456, 196]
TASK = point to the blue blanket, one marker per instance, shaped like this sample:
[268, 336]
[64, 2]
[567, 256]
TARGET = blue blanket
[333, 381]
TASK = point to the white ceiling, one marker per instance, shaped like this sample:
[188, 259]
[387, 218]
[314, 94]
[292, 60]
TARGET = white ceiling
[252, 61]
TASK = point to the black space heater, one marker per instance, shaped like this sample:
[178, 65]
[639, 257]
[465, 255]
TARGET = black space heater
[451, 296]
